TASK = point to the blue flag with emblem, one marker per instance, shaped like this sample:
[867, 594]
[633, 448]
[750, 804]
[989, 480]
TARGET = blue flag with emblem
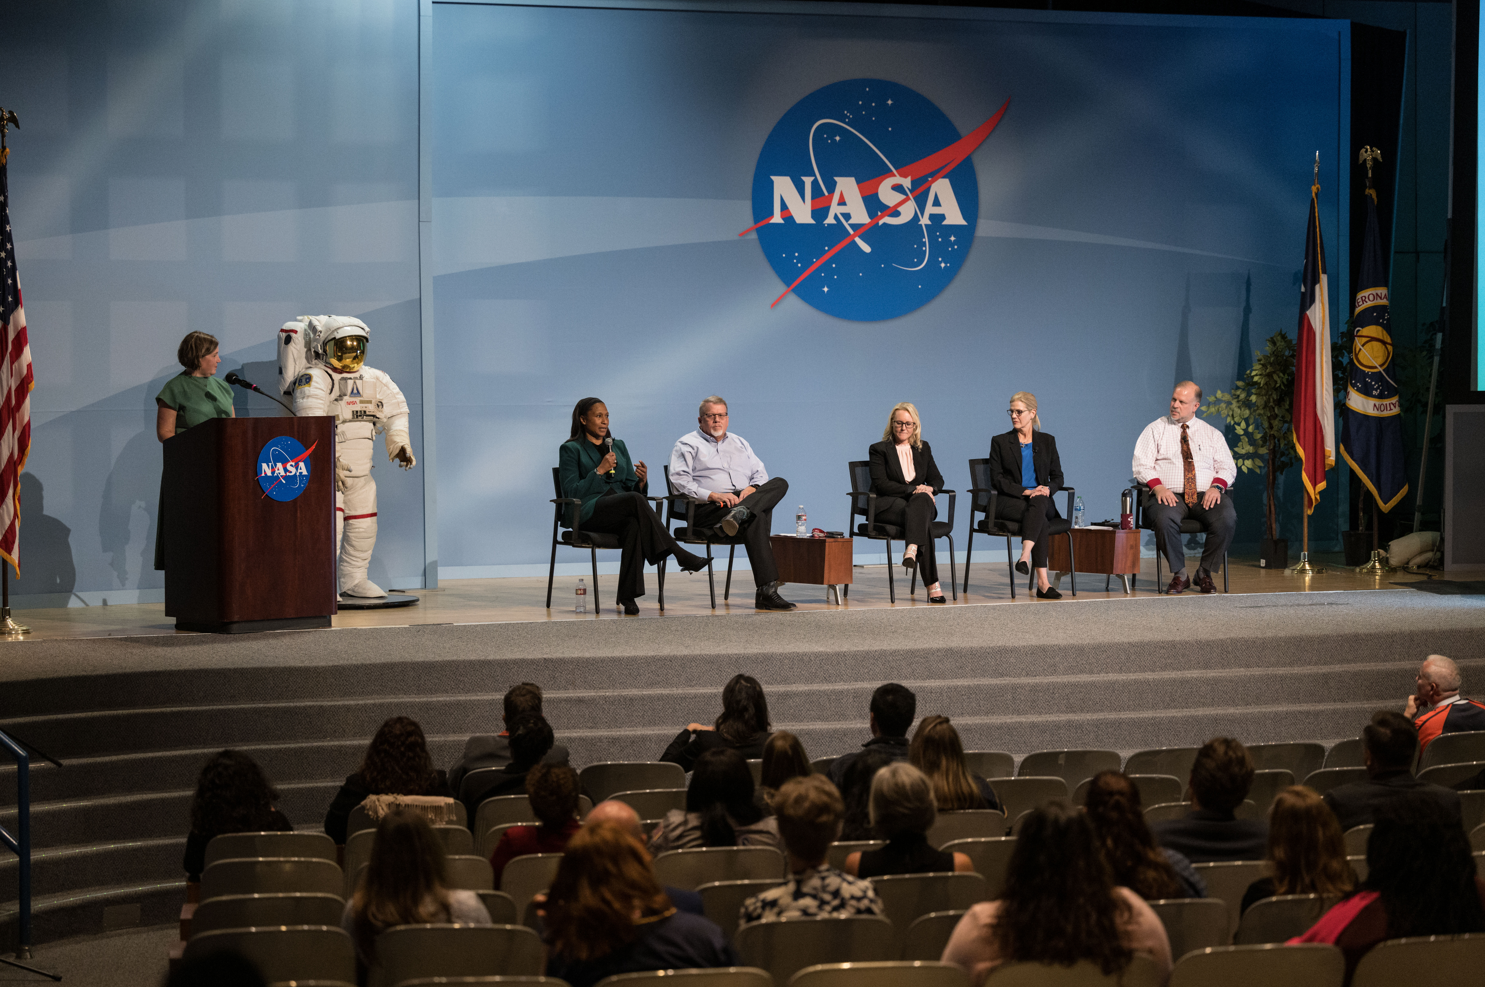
[1371, 433]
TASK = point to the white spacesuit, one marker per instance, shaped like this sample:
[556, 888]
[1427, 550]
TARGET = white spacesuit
[363, 401]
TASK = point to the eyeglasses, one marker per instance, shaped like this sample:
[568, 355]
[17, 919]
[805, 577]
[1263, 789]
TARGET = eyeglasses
[1015, 414]
[715, 418]
[903, 424]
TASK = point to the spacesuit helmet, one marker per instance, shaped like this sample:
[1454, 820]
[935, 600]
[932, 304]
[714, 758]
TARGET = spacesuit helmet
[344, 342]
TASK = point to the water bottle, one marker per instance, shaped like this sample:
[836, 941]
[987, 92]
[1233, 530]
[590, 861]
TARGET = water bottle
[582, 598]
[800, 520]
[1126, 511]
[1078, 513]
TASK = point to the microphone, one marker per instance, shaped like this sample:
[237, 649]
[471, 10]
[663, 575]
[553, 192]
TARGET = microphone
[248, 385]
[608, 445]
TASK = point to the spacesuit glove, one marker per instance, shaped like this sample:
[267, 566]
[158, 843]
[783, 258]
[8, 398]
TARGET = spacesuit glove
[399, 447]
[342, 474]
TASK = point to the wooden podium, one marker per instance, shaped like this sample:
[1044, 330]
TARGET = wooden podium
[236, 559]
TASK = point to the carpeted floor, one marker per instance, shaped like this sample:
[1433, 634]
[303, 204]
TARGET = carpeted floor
[131, 958]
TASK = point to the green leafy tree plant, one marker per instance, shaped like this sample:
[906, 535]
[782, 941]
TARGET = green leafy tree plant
[1260, 410]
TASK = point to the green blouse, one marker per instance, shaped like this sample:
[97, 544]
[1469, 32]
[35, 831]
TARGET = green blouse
[195, 400]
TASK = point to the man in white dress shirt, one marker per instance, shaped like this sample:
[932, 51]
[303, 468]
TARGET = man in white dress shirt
[1188, 468]
[719, 471]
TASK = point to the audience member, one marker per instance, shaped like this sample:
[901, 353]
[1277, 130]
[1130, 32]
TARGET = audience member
[720, 809]
[937, 751]
[1220, 780]
[530, 741]
[893, 708]
[1437, 707]
[1421, 881]
[783, 758]
[405, 883]
[857, 791]
[1137, 863]
[493, 750]
[232, 796]
[606, 914]
[902, 812]
[396, 763]
[622, 814]
[1306, 852]
[809, 816]
[552, 790]
[743, 726]
[219, 968]
[1060, 905]
[1388, 745]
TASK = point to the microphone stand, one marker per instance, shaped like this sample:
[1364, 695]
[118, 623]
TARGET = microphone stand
[248, 385]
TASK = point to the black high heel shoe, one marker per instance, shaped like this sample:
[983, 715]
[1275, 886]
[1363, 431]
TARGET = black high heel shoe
[689, 561]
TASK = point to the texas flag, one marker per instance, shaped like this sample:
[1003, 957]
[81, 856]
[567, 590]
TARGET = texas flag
[1314, 398]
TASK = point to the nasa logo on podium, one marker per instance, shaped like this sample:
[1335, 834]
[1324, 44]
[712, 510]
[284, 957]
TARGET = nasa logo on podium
[865, 199]
[283, 468]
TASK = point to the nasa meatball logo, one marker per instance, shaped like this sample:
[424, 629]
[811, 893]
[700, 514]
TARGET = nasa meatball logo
[283, 468]
[865, 199]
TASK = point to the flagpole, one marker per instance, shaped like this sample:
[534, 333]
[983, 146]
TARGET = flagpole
[1378, 564]
[1304, 567]
[7, 625]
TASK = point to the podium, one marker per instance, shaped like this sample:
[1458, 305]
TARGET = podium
[240, 557]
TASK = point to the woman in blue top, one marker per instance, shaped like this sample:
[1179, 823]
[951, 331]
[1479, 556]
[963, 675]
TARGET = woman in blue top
[1025, 471]
[612, 491]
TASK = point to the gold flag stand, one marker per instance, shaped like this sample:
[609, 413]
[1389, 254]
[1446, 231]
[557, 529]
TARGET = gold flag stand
[1304, 567]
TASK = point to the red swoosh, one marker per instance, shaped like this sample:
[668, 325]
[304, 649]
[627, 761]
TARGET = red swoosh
[291, 463]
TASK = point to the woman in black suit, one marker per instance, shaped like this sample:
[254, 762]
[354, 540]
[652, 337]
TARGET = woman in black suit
[1025, 471]
[905, 481]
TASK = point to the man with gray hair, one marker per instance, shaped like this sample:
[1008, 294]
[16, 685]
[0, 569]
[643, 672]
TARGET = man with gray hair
[1437, 707]
[733, 492]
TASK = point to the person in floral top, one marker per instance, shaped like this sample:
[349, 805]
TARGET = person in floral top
[809, 811]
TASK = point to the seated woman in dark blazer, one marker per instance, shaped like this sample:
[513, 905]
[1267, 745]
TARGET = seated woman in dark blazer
[1025, 471]
[612, 490]
[905, 481]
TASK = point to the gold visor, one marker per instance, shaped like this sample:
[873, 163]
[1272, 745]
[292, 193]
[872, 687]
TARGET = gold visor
[347, 353]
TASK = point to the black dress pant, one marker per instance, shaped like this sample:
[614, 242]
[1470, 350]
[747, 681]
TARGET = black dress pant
[1033, 513]
[755, 536]
[1220, 522]
[913, 516]
[641, 534]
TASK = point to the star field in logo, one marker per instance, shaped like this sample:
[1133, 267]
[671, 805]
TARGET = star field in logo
[283, 468]
[865, 199]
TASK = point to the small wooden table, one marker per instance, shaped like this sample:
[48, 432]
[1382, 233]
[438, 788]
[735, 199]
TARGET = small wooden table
[1111, 551]
[814, 561]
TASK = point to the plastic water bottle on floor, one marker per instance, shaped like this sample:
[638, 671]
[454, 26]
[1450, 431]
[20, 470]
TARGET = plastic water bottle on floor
[1078, 513]
[800, 520]
[582, 598]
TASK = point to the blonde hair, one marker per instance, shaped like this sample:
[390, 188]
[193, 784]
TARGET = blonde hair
[1028, 399]
[917, 439]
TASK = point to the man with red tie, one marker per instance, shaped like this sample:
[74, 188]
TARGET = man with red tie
[1187, 466]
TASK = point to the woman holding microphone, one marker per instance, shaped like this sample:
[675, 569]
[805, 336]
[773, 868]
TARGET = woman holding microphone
[905, 480]
[188, 399]
[1025, 471]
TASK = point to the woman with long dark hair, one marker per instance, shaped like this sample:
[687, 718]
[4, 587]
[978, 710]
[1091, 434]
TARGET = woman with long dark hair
[1306, 850]
[232, 796]
[1060, 905]
[742, 725]
[783, 758]
[405, 883]
[396, 763]
[1421, 881]
[595, 468]
[855, 792]
[720, 809]
[937, 751]
[1136, 860]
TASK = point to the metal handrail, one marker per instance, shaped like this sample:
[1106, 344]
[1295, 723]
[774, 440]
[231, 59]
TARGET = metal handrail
[20, 843]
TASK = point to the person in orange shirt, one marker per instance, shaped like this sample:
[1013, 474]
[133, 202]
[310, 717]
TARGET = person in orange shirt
[1437, 707]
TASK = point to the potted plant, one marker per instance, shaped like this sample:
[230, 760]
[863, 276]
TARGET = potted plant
[1260, 411]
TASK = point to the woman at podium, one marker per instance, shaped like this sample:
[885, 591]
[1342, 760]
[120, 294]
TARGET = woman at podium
[188, 399]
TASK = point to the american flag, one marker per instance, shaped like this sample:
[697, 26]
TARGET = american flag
[15, 387]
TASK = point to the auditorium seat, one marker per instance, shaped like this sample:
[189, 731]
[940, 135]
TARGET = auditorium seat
[1072, 766]
[525, 877]
[887, 973]
[689, 869]
[821, 765]
[260, 875]
[241, 911]
[291, 952]
[1280, 918]
[1345, 754]
[408, 952]
[501, 906]
[1141, 972]
[1450, 775]
[1477, 838]
[1325, 779]
[991, 855]
[1358, 866]
[501, 809]
[359, 819]
[1267, 784]
[1472, 809]
[602, 780]
[722, 900]
[838, 851]
[908, 897]
[485, 845]
[456, 841]
[990, 764]
[1173, 761]
[1229, 880]
[1356, 838]
[1163, 811]
[964, 824]
[1311, 964]
[785, 947]
[271, 844]
[1441, 959]
[926, 938]
[1158, 788]
[654, 803]
[496, 981]
[1453, 748]
[1299, 759]
[1022, 793]
[722, 976]
[469, 872]
[1192, 923]
[755, 765]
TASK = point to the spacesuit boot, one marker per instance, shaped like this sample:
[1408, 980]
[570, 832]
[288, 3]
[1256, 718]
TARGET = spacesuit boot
[355, 515]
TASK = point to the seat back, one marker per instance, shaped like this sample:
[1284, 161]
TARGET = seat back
[360, 819]
[501, 906]
[991, 855]
[501, 809]
[1358, 867]
[1310, 964]
[1325, 779]
[1159, 789]
[979, 480]
[485, 845]
[499, 981]
[604, 779]
[470, 873]
[1073, 766]
[1356, 839]
[1299, 759]
[860, 470]
[990, 764]
[230, 846]
[1345, 754]
[271, 875]
[1017, 795]
[1192, 923]
[1229, 880]
[1477, 839]
[888, 973]
[838, 851]
[723, 900]
[1163, 811]
[821, 765]
[1267, 784]
[784, 948]
[1173, 761]
[966, 824]
[690, 869]
[406, 952]
[926, 938]
[1456, 959]
[1141, 972]
[525, 877]
[654, 803]
[908, 897]
[721, 976]
[282, 953]
[1454, 748]
[1450, 775]
[242, 911]
[1279, 919]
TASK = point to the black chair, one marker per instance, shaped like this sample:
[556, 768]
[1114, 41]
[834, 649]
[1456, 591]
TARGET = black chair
[1189, 526]
[677, 503]
[576, 537]
[864, 504]
[983, 500]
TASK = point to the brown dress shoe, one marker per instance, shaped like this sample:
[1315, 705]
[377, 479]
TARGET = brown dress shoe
[1204, 581]
[1178, 585]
